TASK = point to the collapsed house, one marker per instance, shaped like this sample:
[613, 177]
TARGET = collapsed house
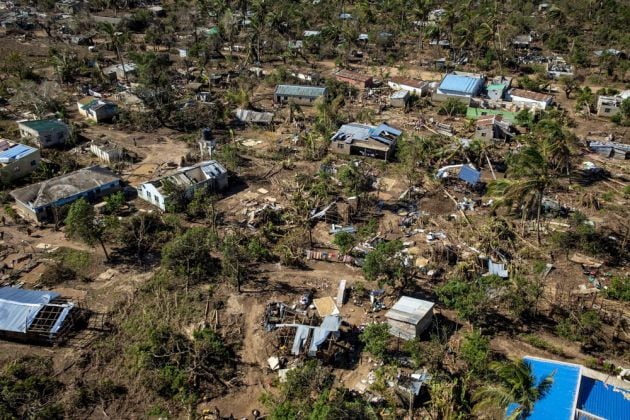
[409, 317]
[248, 116]
[530, 100]
[466, 173]
[417, 87]
[607, 106]
[41, 201]
[358, 80]
[301, 334]
[107, 151]
[493, 127]
[36, 315]
[610, 149]
[210, 174]
[365, 140]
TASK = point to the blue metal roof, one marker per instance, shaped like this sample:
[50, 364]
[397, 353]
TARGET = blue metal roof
[460, 85]
[606, 401]
[17, 151]
[559, 403]
[18, 307]
[469, 174]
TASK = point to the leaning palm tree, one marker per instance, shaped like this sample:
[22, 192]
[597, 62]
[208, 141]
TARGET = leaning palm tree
[533, 176]
[516, 391]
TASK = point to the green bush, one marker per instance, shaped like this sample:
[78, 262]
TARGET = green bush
[542, 344]
[619, 288]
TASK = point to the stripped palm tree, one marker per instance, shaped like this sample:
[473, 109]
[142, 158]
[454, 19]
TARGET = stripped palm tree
[516, 391]
[533, 176]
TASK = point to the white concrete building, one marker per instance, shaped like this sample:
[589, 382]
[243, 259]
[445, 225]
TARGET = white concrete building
[530, 100]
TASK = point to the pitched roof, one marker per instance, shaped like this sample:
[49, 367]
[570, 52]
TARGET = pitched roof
[44, 125]
[64, 186]
[297, 90]
[347, 74]
[528, 94]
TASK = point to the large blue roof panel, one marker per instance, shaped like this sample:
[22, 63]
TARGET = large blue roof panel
[604, 400]
[457, 84]
[559, 403]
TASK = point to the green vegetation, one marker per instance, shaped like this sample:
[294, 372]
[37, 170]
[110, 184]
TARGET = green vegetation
[376, 337]
[473, 300]
[188, 255]
[515, 383]
[536, 341]
[345, 241]
[619, 288]
[81, 224]
[384, 263]
[29, 389]
[308, 389]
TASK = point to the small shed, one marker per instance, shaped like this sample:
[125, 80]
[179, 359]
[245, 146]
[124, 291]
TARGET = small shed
[409, 317]
[399, 99]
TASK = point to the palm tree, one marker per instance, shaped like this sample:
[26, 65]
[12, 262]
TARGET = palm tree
[116, 41]
[533, 176]
[516, 386]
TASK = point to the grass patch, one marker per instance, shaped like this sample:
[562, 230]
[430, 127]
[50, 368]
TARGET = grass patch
[539, 343]
[76, 260]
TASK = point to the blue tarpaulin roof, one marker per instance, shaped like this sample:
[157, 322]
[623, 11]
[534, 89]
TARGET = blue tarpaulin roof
[559, 403]
[469, 174]
[606, 401]
[460, 85]
[19, 307]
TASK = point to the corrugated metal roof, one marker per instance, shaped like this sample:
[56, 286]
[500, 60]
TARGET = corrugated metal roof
[460, 84]
[469, 174]
[606, 401]
[559, 402]
[303, 91]
[410, 310]
[16, 151]
[44, 125]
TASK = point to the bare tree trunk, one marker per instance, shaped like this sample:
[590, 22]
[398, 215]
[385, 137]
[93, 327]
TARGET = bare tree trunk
[100, 240]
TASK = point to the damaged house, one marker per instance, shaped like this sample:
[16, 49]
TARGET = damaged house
[493, 127]
[530, 100]
[205, 174]
[365, 140]
[97, 110]
[39, 202]
[36, 315]
[358, 80]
